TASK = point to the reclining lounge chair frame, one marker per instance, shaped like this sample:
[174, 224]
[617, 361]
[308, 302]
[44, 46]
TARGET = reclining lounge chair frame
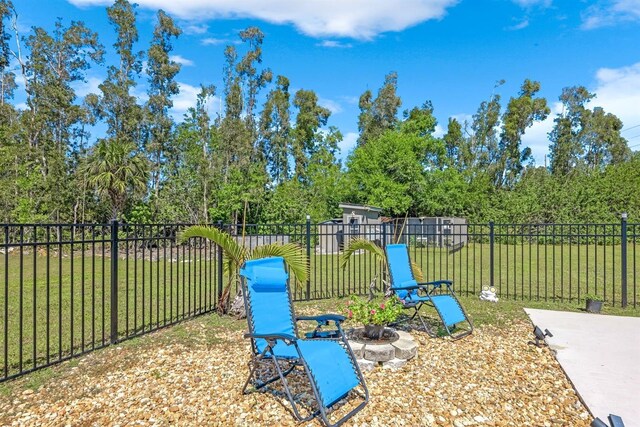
[296, 359]
[446, 304]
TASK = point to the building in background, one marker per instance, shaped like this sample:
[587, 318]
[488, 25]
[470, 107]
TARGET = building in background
[362, 221]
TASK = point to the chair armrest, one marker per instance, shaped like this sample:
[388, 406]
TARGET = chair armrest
[438, 283]
[406, 288]
[284, 337]
[324, 318]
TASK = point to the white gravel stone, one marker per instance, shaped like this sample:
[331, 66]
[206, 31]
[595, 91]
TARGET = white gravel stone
[394, 363]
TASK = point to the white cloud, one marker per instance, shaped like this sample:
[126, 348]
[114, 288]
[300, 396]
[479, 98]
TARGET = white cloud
[331, 105]
[519, 26]
[195, 28]
[360, 19]
[182, 61]
[348, 143]
[213, 41]
[83, 89]
[353, 100]
[187, 98]
[334, 43]
[463, 117]
[611, 13]
[617, 91]
[439, 131]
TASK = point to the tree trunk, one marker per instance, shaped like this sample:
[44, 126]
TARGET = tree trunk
[237, 308]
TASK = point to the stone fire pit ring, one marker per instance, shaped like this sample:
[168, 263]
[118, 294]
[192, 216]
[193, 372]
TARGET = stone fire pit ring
[392, 355]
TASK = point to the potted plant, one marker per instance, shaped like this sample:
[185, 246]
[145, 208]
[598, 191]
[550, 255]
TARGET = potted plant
[593, 303]
[373, 314]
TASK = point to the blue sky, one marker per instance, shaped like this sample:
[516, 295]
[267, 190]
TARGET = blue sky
[447, 51]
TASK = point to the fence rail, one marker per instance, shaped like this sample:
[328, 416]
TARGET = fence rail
[68, 289]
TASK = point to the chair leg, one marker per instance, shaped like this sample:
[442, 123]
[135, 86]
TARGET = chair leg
[260, 384]
[253, 366]
[462, 334]
[427, 329]
[416, 313]
[285, 384]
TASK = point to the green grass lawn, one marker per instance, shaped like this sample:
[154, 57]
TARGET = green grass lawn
[69, 308]
[500, 315]
[521, 272]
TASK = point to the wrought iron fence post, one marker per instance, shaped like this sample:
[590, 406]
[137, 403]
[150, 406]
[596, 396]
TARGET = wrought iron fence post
[623, 254]
[220, 278]
[491, 248]
[384, 235]
[309, 256]
[114, 281]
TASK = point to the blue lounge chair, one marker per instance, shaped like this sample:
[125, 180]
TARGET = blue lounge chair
[328, 363]
[414, 295]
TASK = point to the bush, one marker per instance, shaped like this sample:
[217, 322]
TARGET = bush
[376, 312]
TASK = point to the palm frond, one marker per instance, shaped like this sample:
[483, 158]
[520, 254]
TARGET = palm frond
[293, 256]
[362, 244]
[233, 251]
[418, 275]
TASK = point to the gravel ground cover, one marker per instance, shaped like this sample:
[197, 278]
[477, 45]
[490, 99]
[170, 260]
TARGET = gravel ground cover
[193, 373]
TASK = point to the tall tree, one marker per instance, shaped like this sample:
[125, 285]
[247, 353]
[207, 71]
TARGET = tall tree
[54, 123]
[162, 87]
[390, 170]
[7, 77]
[275, 130]
[253, 79]
[118, 172]
[379, 114]
[117, 106]
[484, 141]
[310, 118]
[521, 113]
[324, 183]
[574, 132]
[602, 142]
[11, 154]
[119, 109]
[235, 146]
[192, 168]
[457, 146]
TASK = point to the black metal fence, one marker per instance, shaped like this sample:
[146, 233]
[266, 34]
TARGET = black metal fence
[67, 289]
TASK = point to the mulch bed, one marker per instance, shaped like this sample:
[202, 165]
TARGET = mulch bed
[492, 377]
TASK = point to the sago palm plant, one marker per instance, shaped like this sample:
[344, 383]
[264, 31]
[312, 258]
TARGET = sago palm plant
[235, 254]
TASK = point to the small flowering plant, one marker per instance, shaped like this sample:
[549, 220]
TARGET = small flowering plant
[374, 312]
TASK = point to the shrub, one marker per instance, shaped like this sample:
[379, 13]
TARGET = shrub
[376, 312]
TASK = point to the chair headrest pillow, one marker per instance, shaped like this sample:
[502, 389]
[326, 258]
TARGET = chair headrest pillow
[267, 279]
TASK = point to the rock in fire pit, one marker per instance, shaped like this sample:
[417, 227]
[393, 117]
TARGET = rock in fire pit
[392, 351]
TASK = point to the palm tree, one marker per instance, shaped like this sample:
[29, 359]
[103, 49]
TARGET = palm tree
[235, 254]
[378, 253]
[117, 170]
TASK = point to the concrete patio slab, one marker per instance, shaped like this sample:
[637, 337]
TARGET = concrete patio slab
[601, 356]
